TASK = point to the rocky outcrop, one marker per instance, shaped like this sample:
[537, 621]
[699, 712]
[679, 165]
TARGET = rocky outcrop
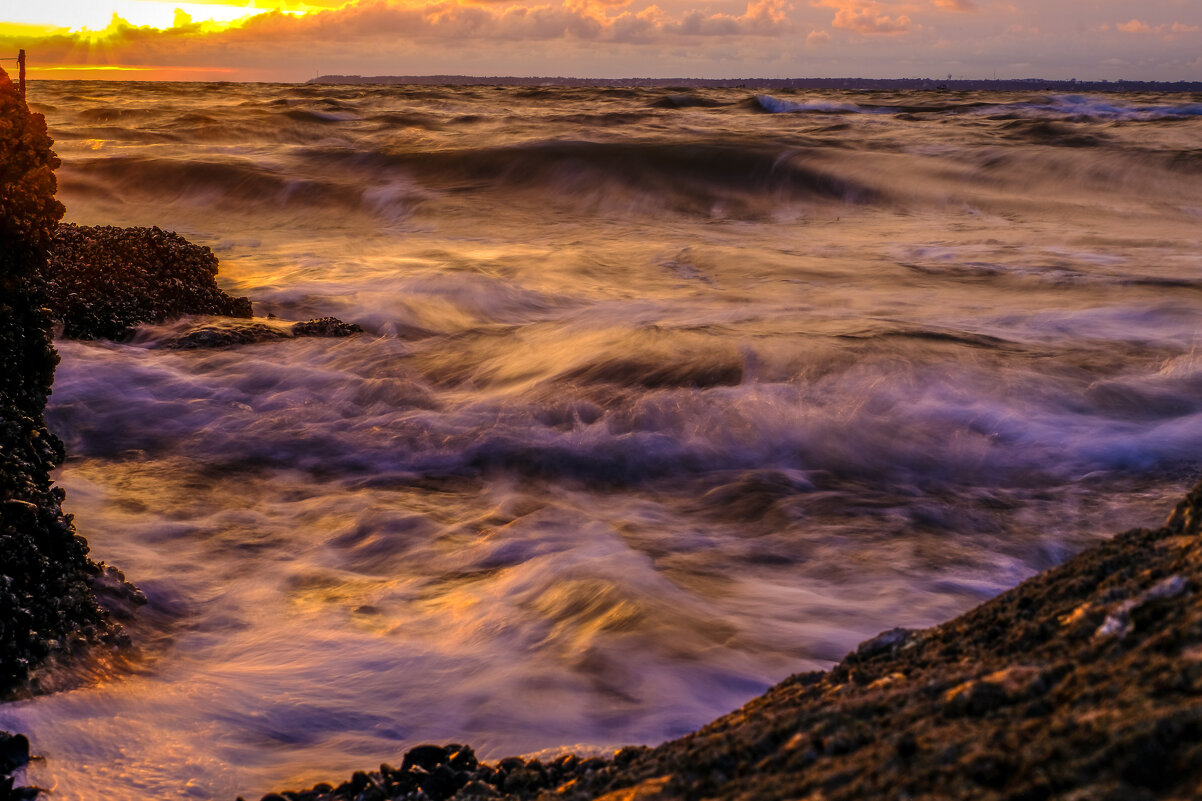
[230, 333]
[102, 281]
[48, 608]
[14, 756]
[1084, 682]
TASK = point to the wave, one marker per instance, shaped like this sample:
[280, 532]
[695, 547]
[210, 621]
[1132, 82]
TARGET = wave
[1089, 108]
[688, 176]
[407, 119]
[1047, 132]
[232, 181]
[774, 105]
[685, 101]
[319, 117]
[1065, 108]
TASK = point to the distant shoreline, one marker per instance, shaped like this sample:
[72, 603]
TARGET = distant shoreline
[852, 84]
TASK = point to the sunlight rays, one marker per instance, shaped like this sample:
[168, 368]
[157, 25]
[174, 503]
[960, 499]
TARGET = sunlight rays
[99, 18]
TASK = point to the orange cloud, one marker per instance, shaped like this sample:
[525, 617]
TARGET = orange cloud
[447, 19]
[956, 5]
[875, 18]
[869, 21]
[1134, 26]
[1138, 26]
[383, 28]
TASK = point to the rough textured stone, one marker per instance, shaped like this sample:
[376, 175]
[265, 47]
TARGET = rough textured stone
[325, 327]
[47, 606]
[230, 333]
[102, 281]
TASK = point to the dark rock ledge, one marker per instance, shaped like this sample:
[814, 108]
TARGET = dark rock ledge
[50, 607]
[100, 282]
[61, 614]
[1082, 683]
[88, 282]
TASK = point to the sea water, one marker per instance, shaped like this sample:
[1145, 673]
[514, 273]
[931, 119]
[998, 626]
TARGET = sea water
[661, 398]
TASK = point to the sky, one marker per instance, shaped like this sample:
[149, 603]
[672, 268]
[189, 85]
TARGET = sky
[294, 40]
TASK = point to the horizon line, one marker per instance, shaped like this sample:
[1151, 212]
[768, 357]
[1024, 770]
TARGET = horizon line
[446, 78]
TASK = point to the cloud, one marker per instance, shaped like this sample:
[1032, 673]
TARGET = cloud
[438, 20]
[1171, 31]
[873, 17]
[869, 21]
[649, 37]
[1134, 26]
[447, 19]
[956, 5]
[433, 34]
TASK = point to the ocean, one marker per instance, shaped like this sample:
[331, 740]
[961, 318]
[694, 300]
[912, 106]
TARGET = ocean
[663, 396]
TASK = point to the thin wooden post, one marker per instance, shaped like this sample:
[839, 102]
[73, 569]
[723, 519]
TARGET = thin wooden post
[20, 71]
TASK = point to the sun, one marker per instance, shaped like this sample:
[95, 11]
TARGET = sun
[84, 16]
[71, 39]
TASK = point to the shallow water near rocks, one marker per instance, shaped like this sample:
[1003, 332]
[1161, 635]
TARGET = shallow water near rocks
[655, 406]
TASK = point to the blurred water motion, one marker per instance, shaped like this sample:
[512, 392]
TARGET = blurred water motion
[658, 403]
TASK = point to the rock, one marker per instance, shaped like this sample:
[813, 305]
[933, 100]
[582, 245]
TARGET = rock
[232, 332]
[978, 696]
[427, 757]
[102, 281]
[225, 335]
[1118, 623]
[48, 609]
[463, 758]
[14, 755]
[14, 752]
[325, 327]
[477, 789]
[441, 783]
[885, 642]
[646, 790]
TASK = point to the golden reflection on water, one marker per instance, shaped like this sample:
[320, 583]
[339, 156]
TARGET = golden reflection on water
[653, 408]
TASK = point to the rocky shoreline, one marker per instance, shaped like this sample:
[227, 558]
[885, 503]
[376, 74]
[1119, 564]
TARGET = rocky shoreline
[1084, 682]
[63, 616]
[49, 611]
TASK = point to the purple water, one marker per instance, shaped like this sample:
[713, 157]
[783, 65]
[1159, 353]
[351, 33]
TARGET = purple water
[655, 406]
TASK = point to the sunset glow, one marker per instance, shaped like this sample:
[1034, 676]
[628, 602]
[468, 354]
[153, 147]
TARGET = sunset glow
[294, 40]
[80, 17]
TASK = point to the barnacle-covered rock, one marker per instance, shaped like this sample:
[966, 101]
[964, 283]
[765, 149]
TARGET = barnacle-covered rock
[47, 606]
[226, 333]
[102, 281]
[325, 327]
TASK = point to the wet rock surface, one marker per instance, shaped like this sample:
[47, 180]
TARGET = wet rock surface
[1084, 682]
[229, 333]
[48, 610]
[325, 327]
[14, 756]
[102, 281]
